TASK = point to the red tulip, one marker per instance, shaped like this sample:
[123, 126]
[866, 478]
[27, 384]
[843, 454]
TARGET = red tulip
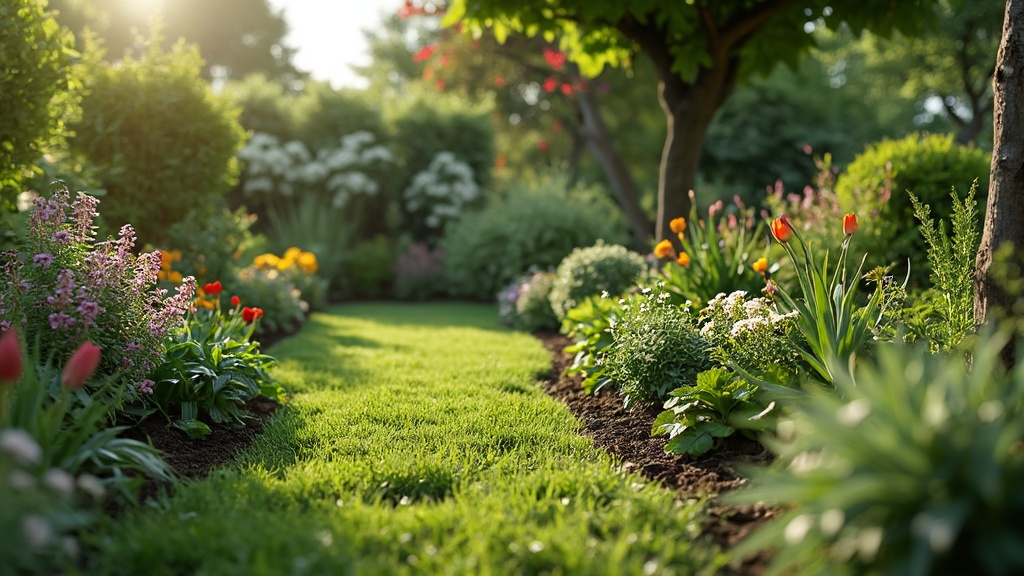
[80, 366]
[250, 314]
[235, 300]
[781, 229]
[849, 224]
[10, 357]
[213, 288]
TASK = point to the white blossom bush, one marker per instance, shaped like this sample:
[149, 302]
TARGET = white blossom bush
[439, 193]
[750, 333]
[273, 169]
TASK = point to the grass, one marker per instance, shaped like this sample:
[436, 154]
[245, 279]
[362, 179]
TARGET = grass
[417, 441]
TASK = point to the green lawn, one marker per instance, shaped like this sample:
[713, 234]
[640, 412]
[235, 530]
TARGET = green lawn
[417, 441]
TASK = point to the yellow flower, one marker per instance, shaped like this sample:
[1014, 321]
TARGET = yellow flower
[161, 275]
[664, 249]
[684, 259]
[175, 255]
[265, 261]
[292, 253]
[760, 266]
[174, 276]
[307, 261]
[285, 263]
[678, 225]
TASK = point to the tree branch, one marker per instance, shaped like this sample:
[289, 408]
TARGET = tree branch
[747, 24]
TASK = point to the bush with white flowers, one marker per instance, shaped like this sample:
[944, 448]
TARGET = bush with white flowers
[275, 169]
[439, 193]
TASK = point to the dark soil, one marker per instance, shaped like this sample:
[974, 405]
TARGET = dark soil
[624, 433]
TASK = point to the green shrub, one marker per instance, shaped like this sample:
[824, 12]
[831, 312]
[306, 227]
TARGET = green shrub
[535, 223]
[325, 114]
[264, 106]
[161, 141]
[370, 268]
[751, 334]
[210, 242]
[876, 183]
[914, 469]
[655, 348]
[34, 82]
[593, 270]
[320, 229]
[533, 307]
[419, 272]
[428, 126]
[283, 308]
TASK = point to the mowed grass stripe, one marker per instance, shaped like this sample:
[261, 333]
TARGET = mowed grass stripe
[417, 442]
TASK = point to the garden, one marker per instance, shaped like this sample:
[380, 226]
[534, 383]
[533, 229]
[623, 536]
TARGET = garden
[501, 310]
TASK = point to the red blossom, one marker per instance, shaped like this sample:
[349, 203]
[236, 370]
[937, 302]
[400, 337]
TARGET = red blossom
[250, 314]
[566, 88]
[213, 288]
[499, 81]
[10, 357]
[554, 58]
[424, 53]
[235, 300]
[550, 84]
[80, 366]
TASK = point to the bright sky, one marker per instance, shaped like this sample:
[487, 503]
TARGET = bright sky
[328, 35]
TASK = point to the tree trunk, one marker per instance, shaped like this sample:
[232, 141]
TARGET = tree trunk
[614, 166]
[1004, 214]
[689, 109]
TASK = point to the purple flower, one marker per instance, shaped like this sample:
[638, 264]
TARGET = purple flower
[88, 310]
[60, 320]
[83, 211]
[42, 259]
[62, 236]
[145, 386]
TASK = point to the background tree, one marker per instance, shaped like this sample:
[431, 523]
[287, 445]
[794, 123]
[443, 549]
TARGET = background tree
[999, 263]
[235, 37]
[35, 76]
[699, 50]
[950, 62]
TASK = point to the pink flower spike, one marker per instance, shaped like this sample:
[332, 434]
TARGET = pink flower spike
[80, 366]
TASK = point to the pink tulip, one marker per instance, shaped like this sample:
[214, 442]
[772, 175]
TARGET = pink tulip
[10, 357]
[80, 366]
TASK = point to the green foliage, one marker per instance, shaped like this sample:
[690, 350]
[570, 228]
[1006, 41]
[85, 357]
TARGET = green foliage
[534, 224]
[210, 242]
[533, 307]
[325, 114]
[428, 126]
[914, 469]
[263, 106]
[698, 417]
[35, 79]
[833, 325]
[592, 271]
[319, 229]
[876, 186]
[72, 427]
[370, 268]
[212, 367]
[719, 255]
[273, 293]
[952, 265]
[589, 323]
[655, 348]
[162, 143]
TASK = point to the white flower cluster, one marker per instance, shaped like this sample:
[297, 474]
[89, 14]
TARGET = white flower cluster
[748, 331]
[442, 190]
[275, 168]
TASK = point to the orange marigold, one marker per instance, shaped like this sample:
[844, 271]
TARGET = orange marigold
[678, 225]
[664, 249]
[684, 259]
[760, 266]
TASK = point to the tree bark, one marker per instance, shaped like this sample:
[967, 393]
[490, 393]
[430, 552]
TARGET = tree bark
[600, 144]
[1004, 214]
[689, 109]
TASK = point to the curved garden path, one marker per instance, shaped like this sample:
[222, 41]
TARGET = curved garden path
[417, 440]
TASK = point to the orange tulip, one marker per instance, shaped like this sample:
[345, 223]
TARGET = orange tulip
[849, 224]
[678, 225]
[664, 249]
[781, 229]
[684, 259]
[760, 266]
[10, 357]
[80, 366]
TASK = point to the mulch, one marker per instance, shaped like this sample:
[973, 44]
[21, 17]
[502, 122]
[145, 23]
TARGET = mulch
[624, 433]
